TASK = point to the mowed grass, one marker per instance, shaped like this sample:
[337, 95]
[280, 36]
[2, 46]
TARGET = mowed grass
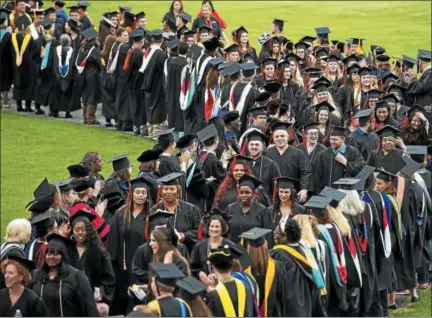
[399, 26]
[421, 309]
[33, 148]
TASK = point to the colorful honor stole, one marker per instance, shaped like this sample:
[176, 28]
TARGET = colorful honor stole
[226, 301]
[184, 307]
[80, 68]
[250, 283]
[187, 89]
[63, 68]
[20, 52]
[2, 33]
[46, 56]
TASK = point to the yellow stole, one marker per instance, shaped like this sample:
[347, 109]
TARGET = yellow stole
[156, 306]
[269, 278]
[226, 301]
[20, 52]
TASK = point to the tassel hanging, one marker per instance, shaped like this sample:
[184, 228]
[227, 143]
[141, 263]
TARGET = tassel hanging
[158, 194]
[274, 189]
[405, 123]
[147, 229]
[200, 232]
[243, 147]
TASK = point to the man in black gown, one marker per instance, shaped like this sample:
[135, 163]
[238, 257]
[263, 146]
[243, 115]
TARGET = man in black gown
[363, 138]
[421, 89]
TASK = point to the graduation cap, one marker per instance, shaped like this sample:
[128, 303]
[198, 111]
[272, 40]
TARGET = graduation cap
[124, 9]
[256, 135]
[60, 243]
[384, 175]
[173, 44]
[255, 236]
[280, 125]
[286, 183]
[411, 166]
[185, 141]
[140, 15]
[137, 34]
[165, 136]
[374, 93]
[79, 170]
[363, 116]
[230, 117]
[223, 257]
[82, 214]
[60, 4]
[389, 77]
[391, 97]
[292, 57]
[323, 31]
[308, 38]
[224, 65]
[268, 61]
[321, 87]
[189, 33]
[89, 34]
[129, 19]
[211, 44]
[416, 150]
[363, 176]
[159, 218]
[40, 205]
[248, 69]
[318, 204]
[424, 55]
[80, 185]
[273, 86]
[64, 186]
[170, 179]
[261, 97]
[248, 57]
[148, 155]
[322, 52]
[232, 48]
[4, 15]
[49, 11]
[334, 58]
[83, 4]
[207, 133]
[190, 287]
[204, 29]
[156, 34]
[383, 58]
[301, 45]
[249, 181]
[73, 9]
[388, 131]
[357, 41]
[22, 22]
[216, 61]
[44, 189]
[279, 22]
[350, 58]
[27, 264]
[336, 195]
[364, 71]
[310, 126]
[120, 162]
[337, 131]
[43, 220]
[415, 109]
[167, 274]
[409, 61]
[185, 17]
[347, 183]
[324, 105]
[140, 183]
[74, 24]
[232, 70]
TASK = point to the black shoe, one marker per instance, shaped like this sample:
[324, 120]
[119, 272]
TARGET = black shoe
[393, 307]
[28, 110]
[55, 114]
[68, 115]
[415, 299]
[144, 133]
[109, 125]
[94, 122]
[20, 109]
[51, 113]
[39, 112]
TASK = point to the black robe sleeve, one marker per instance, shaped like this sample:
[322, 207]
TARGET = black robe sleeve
[107, 278]
[142, 258]
[88, 305]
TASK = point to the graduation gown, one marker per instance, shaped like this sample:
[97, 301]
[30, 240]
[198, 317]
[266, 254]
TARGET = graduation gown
[212, 168]
[244, 99]
[364, 142]
[326, 170]
[77, 298]
[257, 216]
[170, 306]
[421, 90]
[186, 220]
[230, 196]
[136, 94]
[314, 153]
[87, 23]
[216, 305]
[153, 86]
[108, 92]
[265, 170]
[173, 88]
[345, 99]
[292, 163]
[378, 159]
[276, 215]
[122, 95]
[28, 304]
[99, 271]
[290, 94]
[44, 94]
[6, 61]
[231, 139]
[90, 77]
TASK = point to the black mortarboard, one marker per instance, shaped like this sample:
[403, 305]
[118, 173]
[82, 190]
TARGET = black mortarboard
[44, 189]
[383, 58]
[60, 4]
[207, 133]
[415, 109]
[49, 10]
[280, 125]
[424, 55]
[230, 117]
[137, 34]
[334, 194]
[310, 126]
[211, 44]
[248, 69]
[223, 257]
[262, 97]
[248, 56]
[232, 48]
[389, 77]
[292, 57]
[190, 33]
[322, 52]
[324, 105]
[410, 167]
[27, 264]
[80, 185]
[268, 61]
[148, 155]
[43, 220]
[374, 93]
[83, 214]
[173, 44]
[64, 186]
[323, 31]
[165, 136]
[140, 15]
[409, 61]
[83, 4]
[240, 159]
[140, 183]
[73, 8]
[185, 17]
[124, 8]
[120, 162]
[363, 116]
[388, 131]
[308, 38]
[216, 61]
[384, 175]
[128, 19]
[286, 183]
[232, 70]
[61, 243]
[74, 24]
[334, 58]
[156, 34]
[239, 30]
[204, 29]
[256, 135]
[190, 287]
[185, 141]
[321, 87]
[171, 23]
[347, 183]
[3, 15]
[273, 86]
[167, 274]
[317, 204]
[354, 68]
[79, 170]
[40, 205]
[159, 218]
[416, 150]
[350, 58]
[278, 22]
[89, 34]
[22, 22]
[382, 104]
[338, 131]
[255, 236]
[364, 71]
[363, 176]
[301, 45]
[310, 70]
[170, 179]
[249, 181]
[224, 65]
[357, 41]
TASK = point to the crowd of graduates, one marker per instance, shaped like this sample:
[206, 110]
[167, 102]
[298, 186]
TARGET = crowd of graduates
[293, 180]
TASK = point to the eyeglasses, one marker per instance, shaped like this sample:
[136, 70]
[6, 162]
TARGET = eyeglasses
[53, 252]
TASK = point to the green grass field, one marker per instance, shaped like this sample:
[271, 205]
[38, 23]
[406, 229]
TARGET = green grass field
[421, 309]
[399, 26]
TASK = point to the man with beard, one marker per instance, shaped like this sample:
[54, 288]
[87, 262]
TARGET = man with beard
[363, 137]
[262, 167]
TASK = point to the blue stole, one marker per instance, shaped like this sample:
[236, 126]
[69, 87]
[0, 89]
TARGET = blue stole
[2, 33]
[46, 55]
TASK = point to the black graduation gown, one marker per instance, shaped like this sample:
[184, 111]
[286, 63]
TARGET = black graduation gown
[314, 153]
[363, 142]
[186, 220]
[212, 168]
[292, 163]
[122, 105]
[6, 62]
[144, 256]
[224, 99]
[76, 43]
[87, 23]
[231, 140]
[290, 94]
[215, 304]
[28, 304]
[345, 99]
[67, 88]
[108, 92]
[301, 296]
[98, 269]
[200, 21]
[170, 307]
[197, 192]
[249, 102]
[153, 86]
[77, 298]
[173, 88]
[326, 170]
[90, 77]
[136, 94]
[265, 170]
[24, 76]
[257, 216]
[230, 196]
[388, 162]
[45, 83]
[277, 215]
[421, 90]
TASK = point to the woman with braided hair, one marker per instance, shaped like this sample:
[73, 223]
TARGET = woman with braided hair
[93, 159]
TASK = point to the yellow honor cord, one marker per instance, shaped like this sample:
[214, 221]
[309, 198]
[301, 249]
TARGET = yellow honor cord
[226, 301]
[269, 278]
[24, 45]
[155, 305]
[296, 254]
